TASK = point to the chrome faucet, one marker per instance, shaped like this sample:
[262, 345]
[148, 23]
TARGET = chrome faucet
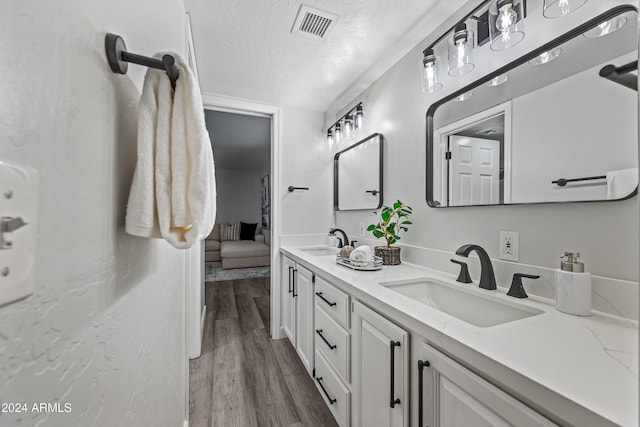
[487, 277]
[342, 242]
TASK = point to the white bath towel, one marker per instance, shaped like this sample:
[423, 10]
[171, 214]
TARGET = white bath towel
[173, 190]
[363, 253]
[621, 183]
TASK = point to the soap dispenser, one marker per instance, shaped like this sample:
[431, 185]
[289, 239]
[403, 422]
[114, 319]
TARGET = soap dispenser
[573, 286]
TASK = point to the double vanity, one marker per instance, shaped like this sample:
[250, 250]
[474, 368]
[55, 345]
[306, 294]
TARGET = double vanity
[410, 346]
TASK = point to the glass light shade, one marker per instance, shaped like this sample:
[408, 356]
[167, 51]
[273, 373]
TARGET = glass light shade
[461, 51]
[546, 57]
[497, 81]
[359, 117]
[464, 96]
[348, 126]
[607, 27]
[330, 137]
[429, 73]
[337, 131]
[506, 25]
[559, 8]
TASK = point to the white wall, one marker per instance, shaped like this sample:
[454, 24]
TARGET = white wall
[306, 161]
[605, 233]
[238, 195]
[104, 329]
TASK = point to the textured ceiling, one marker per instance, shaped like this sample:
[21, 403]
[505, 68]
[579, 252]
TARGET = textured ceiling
[239, 141]
[245, 48]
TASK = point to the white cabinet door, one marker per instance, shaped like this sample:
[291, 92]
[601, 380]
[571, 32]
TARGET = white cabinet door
[380, 371]
[303, 296]
[287, 299]
[450, 395]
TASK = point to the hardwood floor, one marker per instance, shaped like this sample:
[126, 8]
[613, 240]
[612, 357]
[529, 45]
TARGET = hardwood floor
[243, 377]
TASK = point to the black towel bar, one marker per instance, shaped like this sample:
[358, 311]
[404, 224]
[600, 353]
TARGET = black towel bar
[292, 188]
[622, 75]
[563, 181]
[119, 58]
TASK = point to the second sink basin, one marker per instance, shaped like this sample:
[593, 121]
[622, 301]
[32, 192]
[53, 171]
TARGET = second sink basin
[320, 250]
[468, 305]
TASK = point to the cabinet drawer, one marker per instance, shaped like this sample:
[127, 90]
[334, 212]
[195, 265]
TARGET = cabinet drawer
[333, 301]
[334, 342]
[335, 394]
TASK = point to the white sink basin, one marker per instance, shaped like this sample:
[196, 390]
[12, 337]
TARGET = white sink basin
[469, 305]
[320, 250]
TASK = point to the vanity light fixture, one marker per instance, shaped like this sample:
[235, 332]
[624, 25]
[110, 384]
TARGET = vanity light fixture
[559, 8]
[506, 24]
[546, 57]
[461, 51]
[498, 80]
[345, 126]
[429, 72]
[607, 27]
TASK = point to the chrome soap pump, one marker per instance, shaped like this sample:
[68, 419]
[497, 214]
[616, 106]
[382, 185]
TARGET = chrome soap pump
[573, 286]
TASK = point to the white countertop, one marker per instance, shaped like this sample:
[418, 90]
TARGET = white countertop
[589, 361]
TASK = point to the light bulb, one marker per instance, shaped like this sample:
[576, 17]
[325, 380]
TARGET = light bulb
[506, 18]
[559, 8]
[564, 6]
[460, 51]
[338, 132]
[330, 137]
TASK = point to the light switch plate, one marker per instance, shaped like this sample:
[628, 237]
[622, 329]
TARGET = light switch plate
[509, 242]
[18, 199]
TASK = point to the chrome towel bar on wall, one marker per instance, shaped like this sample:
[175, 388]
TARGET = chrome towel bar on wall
[118, 59]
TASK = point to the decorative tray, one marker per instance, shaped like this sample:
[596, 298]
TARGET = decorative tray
[376, 264]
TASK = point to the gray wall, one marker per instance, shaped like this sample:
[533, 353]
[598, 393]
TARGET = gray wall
[238, 195]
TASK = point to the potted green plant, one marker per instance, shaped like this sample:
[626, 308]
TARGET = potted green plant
[392, 221]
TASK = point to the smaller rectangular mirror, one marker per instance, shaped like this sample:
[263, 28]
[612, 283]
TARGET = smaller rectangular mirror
[357, 175]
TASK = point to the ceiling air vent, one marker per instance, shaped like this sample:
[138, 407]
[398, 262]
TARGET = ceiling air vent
[313, 23]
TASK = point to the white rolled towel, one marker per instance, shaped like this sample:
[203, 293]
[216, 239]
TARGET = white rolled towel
[362, 253]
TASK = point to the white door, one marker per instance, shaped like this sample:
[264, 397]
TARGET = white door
[454, 396]
[303, 294]
[474, 171]
[288, 302]
[380, 374]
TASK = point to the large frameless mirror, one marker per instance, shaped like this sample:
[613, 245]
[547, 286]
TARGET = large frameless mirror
[357, 175]
[547, 127]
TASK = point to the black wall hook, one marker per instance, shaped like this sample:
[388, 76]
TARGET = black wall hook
[118, 59]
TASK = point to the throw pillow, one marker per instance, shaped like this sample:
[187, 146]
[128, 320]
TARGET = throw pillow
[231, 232]
[248, 231]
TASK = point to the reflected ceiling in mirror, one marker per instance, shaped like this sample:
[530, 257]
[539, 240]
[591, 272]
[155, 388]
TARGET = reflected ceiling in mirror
[545, 128]
[357, 175]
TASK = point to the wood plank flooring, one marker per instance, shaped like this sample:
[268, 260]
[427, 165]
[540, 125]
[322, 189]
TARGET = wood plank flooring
[243, 377]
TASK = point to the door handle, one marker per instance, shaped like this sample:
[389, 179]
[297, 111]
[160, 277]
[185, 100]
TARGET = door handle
[331, 401]
[295, 282]
[331, 346]
[290, 280]
[421, 366]
[331, 304]
[392, 346]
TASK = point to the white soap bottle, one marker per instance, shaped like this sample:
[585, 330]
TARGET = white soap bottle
[573, 286]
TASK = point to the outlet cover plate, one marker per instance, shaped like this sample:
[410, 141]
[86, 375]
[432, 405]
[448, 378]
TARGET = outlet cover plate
[509, 243]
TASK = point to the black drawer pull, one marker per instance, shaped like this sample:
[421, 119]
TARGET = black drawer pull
[331, 304]
[332, 347]
[331, 401]
[393, 401]
[421, 366]
[295, 282]
[290, 268]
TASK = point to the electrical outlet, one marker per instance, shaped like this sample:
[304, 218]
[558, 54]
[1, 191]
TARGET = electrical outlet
[362, 229]
[509, 241]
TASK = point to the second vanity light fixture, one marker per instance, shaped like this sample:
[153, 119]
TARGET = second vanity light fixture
[346, 125]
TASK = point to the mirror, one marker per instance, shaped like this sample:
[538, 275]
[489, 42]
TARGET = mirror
[357, 175]
[543, 129]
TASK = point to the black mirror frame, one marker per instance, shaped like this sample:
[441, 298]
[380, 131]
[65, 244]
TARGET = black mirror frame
[611, 13]
[381, 174]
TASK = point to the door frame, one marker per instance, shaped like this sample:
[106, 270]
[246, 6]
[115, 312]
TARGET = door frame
[217, 102]
[440, 138]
